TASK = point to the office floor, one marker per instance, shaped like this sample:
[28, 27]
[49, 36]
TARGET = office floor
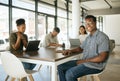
[111, 73]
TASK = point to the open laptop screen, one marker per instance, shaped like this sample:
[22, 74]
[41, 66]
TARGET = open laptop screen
[74, 42]
[33, 45]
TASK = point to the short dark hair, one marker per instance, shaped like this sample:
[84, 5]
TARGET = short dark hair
[20, 22]
[91, 16]
[57, 29]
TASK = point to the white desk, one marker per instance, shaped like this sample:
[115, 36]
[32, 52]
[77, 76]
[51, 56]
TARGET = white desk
[46, 56]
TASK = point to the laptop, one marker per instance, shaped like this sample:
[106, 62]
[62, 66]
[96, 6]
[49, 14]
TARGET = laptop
[33, 45]
[74, 42]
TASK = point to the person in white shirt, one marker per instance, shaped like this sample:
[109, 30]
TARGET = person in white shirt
[51, 38]
[82, 33]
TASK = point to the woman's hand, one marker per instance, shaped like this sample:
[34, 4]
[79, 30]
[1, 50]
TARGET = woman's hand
[20, 35]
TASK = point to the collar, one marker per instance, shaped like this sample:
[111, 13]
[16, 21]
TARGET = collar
[51, 35]
[95, 33]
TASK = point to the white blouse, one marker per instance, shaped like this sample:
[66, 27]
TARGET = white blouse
[82, 37]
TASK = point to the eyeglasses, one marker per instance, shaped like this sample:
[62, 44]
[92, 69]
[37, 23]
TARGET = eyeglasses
[88, 23]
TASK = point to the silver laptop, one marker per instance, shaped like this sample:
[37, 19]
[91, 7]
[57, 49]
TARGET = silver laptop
[74, 42]
[33, 45]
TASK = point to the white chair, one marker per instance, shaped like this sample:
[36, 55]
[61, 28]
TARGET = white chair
[94, 77]
[14, 68]
[112, 45]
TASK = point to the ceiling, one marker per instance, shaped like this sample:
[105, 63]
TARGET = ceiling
[90, 4]
[99, 4]
[100, 7]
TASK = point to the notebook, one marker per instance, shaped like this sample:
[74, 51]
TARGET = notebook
[74, 42]
[33, 45]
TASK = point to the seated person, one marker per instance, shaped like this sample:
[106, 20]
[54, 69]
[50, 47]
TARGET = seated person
[18, 40]
[82, 33]
[51, 38]
[95, 50]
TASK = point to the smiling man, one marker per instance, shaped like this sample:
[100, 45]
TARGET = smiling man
[95, 50]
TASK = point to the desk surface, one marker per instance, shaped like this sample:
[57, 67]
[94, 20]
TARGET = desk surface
[47, 54]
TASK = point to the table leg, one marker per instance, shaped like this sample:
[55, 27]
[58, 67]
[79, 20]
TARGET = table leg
[54, 76]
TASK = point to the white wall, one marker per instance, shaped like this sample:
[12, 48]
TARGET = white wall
[112, 27]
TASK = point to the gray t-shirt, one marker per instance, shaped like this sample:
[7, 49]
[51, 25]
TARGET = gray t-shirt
[93, 46]
[49, 39]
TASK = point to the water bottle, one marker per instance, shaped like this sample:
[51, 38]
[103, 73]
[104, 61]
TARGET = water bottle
[63, 46]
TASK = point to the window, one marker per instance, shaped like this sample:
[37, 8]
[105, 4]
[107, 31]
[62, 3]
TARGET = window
[4, 1]
[26, 9]
[4, 25]
[70, 15]
[46, 9]
[61, 4]
[100, 23]
[62, 13]
[62, 24]
[29, 19]
[70, 28]
[51, 24]
[28, 4]
[4, 28]
[48, 1]
[41, 26]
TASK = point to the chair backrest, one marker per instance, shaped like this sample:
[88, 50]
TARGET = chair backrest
[12, 65]
[112, 45]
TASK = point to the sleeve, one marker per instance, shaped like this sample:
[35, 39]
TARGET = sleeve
[103, 45]
[13, 38]
[57, 40]
[47, 40]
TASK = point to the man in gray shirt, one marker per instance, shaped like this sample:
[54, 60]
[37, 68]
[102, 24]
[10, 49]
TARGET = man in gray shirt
[95, 50]
[51, 38]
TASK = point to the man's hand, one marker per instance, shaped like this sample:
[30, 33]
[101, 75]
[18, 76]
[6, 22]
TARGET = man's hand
[81, 61]
[57, 45]
[60, 45]
[66, 52]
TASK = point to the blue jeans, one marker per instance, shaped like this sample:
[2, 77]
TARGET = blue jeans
[28, 66]
[70, 71]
